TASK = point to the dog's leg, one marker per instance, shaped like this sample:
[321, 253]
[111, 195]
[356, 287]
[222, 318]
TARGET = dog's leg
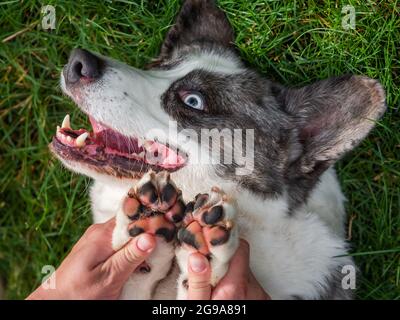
[153, 206]
[209, 228]
[144, 280]
[106, 200]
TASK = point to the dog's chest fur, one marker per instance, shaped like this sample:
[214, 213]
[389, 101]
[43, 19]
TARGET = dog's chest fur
[287, 251]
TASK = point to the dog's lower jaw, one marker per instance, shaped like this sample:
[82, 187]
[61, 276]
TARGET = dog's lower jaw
[291, 256]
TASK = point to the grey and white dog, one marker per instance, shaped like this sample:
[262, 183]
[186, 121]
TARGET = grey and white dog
[289, 206]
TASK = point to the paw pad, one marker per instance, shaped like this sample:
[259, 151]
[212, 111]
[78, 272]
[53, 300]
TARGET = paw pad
[207, 221]
[154, 206]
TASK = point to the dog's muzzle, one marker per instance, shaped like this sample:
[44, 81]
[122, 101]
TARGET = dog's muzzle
[82, 65]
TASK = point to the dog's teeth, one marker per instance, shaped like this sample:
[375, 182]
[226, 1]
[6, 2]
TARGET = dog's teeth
[140, 142]
[58, 128]
[66, 122]
[141, 155]
[80, 141]
[147, 145]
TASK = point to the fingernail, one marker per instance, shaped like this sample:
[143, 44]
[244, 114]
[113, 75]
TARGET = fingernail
[198, 263]
[144, 243]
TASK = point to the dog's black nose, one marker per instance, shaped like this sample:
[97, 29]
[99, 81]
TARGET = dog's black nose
[82, 64]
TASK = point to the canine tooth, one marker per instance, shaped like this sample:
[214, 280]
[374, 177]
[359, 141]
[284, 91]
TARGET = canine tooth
[66, 122]
[140, 141]
[58, 128]
[141, 155]
[80, 141]
[147, 144]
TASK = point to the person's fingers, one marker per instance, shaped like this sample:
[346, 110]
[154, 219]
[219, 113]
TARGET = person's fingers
[94, 247]
[96, 231]
[234, 284]
[199, 277]
[240, 263]
[129, 257]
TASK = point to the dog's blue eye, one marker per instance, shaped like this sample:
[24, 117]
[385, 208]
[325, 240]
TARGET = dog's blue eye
[194, 100]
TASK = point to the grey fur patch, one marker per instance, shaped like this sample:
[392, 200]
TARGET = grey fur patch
[238, 101]
[299, 132]
[331, 117]
[199, 21]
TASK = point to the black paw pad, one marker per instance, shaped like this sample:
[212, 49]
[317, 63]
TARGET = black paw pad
[178, 211]
[187, 237]
[221, 236]
[148, 193]
[135, 231]
[167, 234]
[201, 200]
[189, 208]
[214, 215]
[168, 194]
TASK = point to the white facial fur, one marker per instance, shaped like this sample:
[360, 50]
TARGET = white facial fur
[129, 100]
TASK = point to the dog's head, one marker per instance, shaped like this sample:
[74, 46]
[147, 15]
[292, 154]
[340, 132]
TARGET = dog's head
[199, 83]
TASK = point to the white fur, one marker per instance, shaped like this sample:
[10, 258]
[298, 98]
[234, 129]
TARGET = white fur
[289, 255]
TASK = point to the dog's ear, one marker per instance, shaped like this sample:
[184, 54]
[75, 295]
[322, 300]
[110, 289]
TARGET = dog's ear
[331, 117]
[198, 20]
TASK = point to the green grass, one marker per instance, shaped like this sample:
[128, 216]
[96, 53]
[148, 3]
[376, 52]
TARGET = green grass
[44, 208]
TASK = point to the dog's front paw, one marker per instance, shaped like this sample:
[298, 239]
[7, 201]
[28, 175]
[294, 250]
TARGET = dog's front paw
[154, 206]
[209, 228]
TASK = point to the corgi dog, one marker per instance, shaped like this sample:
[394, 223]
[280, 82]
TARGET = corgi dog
[282, 196]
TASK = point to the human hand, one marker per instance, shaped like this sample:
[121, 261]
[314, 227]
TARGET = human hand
[93, 270]
[239, 282]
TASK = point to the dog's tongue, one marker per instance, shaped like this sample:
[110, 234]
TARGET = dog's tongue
[163, 155]
[114, 140]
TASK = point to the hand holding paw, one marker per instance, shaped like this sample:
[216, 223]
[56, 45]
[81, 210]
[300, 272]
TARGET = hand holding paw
[238, 284]
[93, 270]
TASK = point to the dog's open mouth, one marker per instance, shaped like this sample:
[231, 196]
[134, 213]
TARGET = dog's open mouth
[108, 151]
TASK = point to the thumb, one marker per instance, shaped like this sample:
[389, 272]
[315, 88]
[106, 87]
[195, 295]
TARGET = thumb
[129, 257]
[199, 277]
